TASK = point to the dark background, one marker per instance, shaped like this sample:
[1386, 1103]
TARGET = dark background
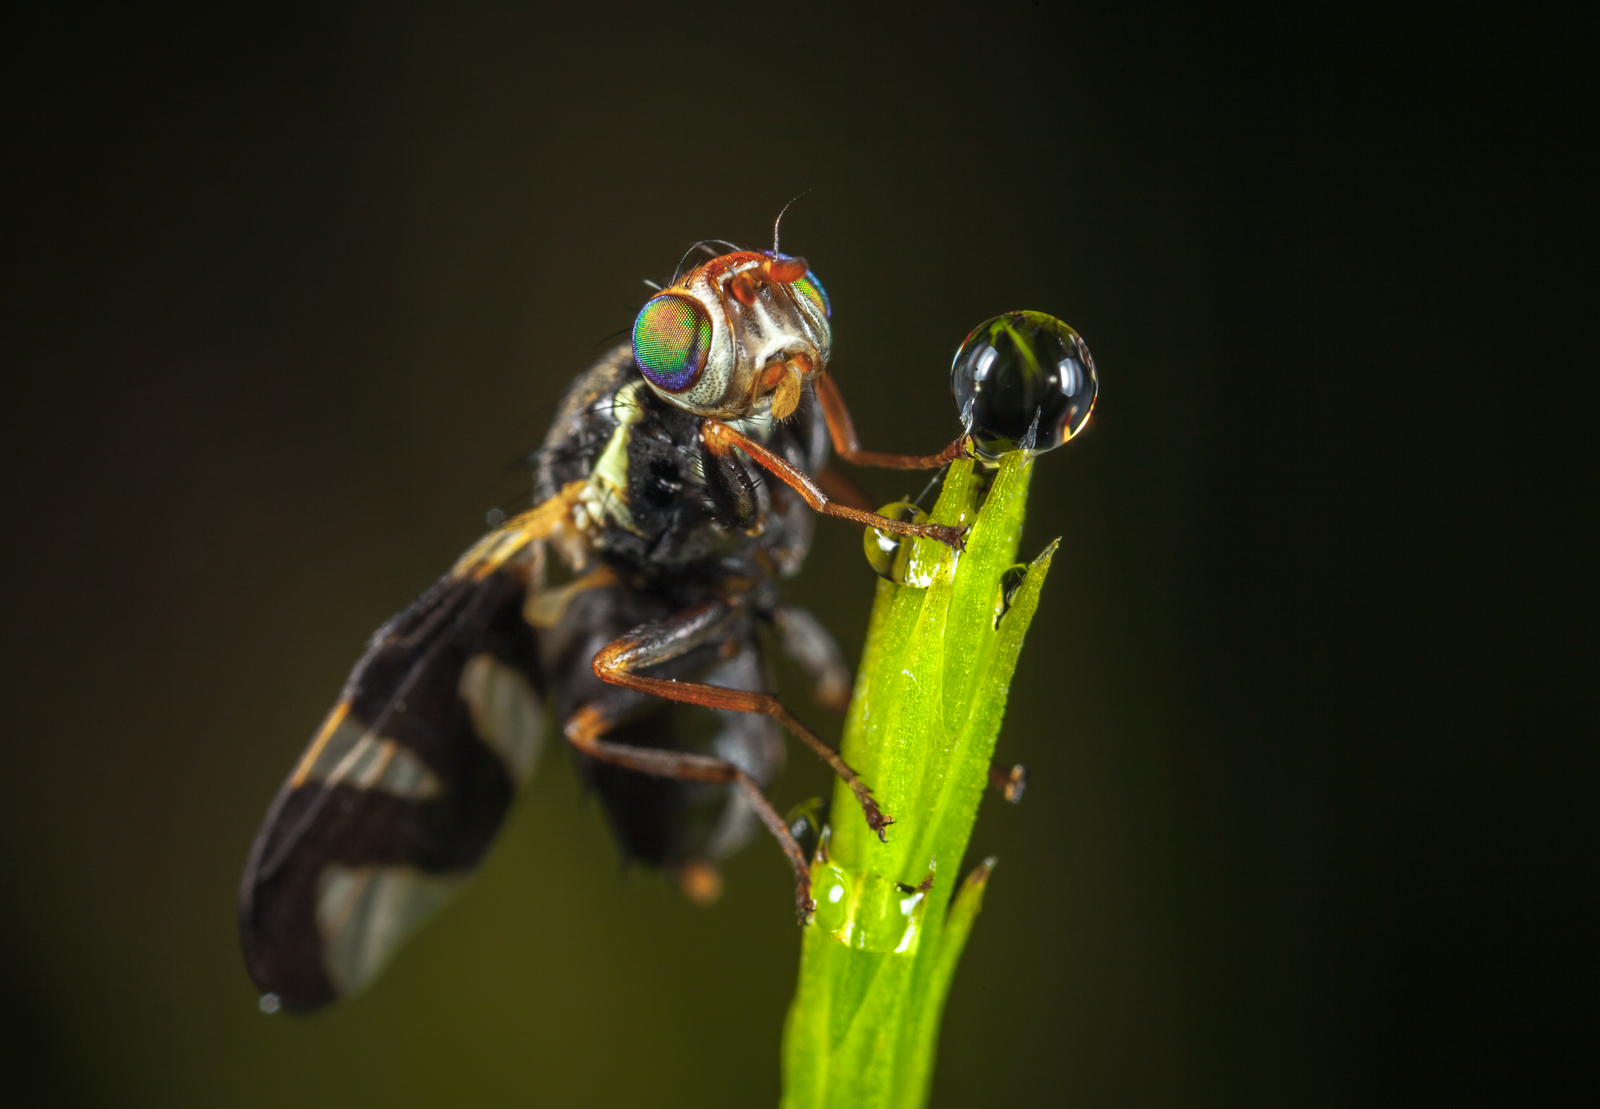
[286, 294]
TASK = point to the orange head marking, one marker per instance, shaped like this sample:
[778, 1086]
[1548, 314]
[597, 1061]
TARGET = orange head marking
[784, 270]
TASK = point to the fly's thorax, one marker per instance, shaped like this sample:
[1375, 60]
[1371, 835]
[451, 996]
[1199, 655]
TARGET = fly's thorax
[644, 501]
[741, 330]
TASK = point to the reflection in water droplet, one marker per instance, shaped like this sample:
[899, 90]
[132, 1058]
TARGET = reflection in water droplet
[1010, 582]
[983, 362]
[1019, 371]
[1070, 375]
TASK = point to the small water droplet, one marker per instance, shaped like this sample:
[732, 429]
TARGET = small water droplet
[888, 552]
[269, 1003]
[494, 517]
[1010, 582]
[868, 911]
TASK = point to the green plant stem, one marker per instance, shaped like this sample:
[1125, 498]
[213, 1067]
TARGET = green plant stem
[877, 962]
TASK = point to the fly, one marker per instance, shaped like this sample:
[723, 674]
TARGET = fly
[675, 491]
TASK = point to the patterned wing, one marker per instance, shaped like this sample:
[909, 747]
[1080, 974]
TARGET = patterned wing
[402, 788]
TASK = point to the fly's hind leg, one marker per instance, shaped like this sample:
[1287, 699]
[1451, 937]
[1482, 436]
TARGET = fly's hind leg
[588, 724]
[661, 642]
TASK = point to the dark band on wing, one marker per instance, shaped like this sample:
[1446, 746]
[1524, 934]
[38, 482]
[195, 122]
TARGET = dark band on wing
[400, 792]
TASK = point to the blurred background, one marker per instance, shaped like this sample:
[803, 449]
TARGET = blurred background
[290, 293]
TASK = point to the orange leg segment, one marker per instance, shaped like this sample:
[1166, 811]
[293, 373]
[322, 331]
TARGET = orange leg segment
[842, 429]
[617, 660]
[719, 438]
[652, 644]
[588, 724]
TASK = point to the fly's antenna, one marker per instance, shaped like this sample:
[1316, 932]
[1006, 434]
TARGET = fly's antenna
[677, 271]
[701, 245]
[779, 220]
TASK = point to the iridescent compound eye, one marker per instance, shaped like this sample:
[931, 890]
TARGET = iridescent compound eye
[809, 288]
[1023, 381]
[671, 338]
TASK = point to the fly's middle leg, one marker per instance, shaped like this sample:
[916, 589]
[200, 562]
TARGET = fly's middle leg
[584, 731]
[652, 644]
[660, 642]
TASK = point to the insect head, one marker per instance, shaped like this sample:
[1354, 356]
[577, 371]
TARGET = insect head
[737, 335]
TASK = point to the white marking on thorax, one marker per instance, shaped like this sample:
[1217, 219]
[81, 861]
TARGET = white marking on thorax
[606, 495]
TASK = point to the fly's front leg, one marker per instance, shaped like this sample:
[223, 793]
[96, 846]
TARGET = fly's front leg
[719, 439]
[842, 489]
[842, 430]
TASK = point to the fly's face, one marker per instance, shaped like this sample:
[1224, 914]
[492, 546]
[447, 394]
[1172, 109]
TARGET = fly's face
[738, 336]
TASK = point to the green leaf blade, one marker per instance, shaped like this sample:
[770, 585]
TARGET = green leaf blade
[921, 731]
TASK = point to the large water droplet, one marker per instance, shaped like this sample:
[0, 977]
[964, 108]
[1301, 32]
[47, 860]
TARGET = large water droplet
[1023, 381]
